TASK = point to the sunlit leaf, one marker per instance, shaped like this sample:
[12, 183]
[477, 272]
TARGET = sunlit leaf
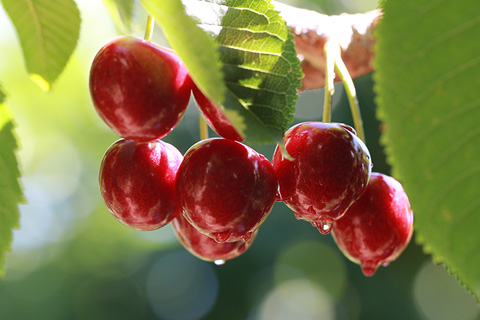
[261, 69]
[48, 32]
[428, 62]
[10, 191]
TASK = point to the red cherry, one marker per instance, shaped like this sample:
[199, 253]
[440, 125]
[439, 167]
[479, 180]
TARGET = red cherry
[214, 117]
[139, 89]
[205, 247]
[137, 183]
[225, 189]
[330, 170]
[378, 226]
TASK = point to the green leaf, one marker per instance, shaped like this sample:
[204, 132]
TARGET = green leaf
[428, 66]
[122, 14]
[197, 50]
[10, 190]
[261, 68]
[48, 32]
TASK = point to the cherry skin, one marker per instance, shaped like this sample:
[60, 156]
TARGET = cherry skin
[330, 170]
[137, 183]
[214, 117]
[377, 227]
[225, 189]
[204, 247]
[139, 89]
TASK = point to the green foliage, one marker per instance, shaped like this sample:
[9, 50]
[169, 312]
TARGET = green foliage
[48, 32]
[261, 69]
[427, 83]
[122, 14]
[10, 191]
[197, 50]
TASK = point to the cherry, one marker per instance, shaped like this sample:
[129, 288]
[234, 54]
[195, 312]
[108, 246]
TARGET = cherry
[378, 226]
[205, 247]
[330, 170]
[214, 117]
[225, 188]
[139, 89]
[137, 183]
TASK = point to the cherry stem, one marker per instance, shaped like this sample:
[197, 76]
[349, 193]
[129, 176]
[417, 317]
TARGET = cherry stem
[329, 78]
[203, 129]
[347, 81]
[149, 28]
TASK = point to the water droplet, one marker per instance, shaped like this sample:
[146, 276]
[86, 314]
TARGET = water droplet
[385, 264]
[219, 262]
[221, 237]
[325, 226]
[246, 237]
[369, 268]
[314, 224]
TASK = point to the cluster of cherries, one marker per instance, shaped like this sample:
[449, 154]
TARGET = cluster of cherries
[220, 192]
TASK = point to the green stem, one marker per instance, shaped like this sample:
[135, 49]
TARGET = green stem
[203, 129]
[351, 94]
[149, 28]
[329, 78]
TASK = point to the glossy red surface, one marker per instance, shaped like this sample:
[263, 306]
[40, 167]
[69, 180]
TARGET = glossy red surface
[214, 117]
[205, 247]
[137, 183]
[330, 170]
[378, 226]
[139, 89]
[226, 189]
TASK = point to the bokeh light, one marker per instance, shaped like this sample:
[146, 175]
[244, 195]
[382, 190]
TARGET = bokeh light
[179, 286]
[439, 296]
[299, 299]
[316, 261]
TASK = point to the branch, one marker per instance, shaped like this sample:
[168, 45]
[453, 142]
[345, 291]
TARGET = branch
[353, 33]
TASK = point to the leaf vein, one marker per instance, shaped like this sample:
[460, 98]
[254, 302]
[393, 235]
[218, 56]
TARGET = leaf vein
[445, 37]
[38, 29]
[448, 187]
[447, 76]
[248, 50]
[454, 148]
[256, 32]
[445, 120]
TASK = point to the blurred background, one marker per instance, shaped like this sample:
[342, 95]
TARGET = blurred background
[72, 260]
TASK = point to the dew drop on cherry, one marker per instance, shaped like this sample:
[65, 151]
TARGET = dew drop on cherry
[219, 262]
[325, 226]
[369, 268]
